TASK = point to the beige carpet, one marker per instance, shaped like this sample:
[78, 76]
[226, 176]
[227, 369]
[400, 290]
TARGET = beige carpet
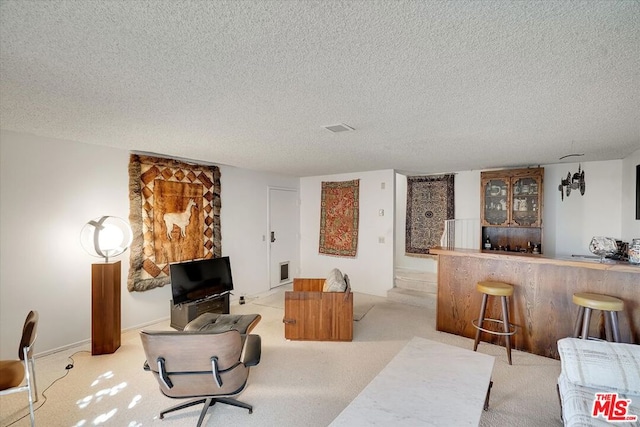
[296, 383]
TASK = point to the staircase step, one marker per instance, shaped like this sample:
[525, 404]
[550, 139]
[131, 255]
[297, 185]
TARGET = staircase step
[410, 274]
[416, 285]
[412, 297]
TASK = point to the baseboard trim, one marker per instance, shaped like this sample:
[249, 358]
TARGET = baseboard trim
[88, 340]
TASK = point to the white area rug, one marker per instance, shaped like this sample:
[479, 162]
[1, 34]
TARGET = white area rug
[362, 303]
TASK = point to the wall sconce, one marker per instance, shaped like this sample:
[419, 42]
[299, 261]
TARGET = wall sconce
[574, 182]
[105, 237]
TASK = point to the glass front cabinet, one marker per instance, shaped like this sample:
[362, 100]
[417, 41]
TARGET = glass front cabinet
[511, 210]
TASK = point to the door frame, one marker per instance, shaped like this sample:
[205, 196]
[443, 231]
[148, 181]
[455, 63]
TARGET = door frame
[268, 232]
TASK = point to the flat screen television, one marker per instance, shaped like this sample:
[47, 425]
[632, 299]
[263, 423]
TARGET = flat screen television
[200, 280]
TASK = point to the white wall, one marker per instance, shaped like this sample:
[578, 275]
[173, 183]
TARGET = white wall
[244, 225]
[49, 189]
[569, 225]
[468, 195]
[371, 271]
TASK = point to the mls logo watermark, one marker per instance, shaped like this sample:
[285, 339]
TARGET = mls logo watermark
[612, 408]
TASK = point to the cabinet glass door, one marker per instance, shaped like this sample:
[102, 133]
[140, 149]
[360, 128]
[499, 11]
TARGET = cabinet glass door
[526, 202]
[496, 202]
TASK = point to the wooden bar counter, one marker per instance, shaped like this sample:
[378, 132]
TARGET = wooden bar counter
[541, 305]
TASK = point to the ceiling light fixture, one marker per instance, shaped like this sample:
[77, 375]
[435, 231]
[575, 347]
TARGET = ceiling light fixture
[572, 155]
[339, 128]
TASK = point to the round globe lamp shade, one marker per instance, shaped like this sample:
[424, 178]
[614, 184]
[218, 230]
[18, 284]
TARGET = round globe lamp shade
[106, 237]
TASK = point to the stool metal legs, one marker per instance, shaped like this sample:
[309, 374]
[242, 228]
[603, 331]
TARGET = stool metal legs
[586, 321]
[483, 307]
[506, 325]
[578, 325]
[507, 336]
[607, 327]
[614, 326]
[611, 326]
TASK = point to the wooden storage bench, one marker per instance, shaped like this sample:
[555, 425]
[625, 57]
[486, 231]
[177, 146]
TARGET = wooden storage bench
[313, 315]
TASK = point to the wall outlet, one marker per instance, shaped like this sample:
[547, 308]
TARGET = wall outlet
[381, 239]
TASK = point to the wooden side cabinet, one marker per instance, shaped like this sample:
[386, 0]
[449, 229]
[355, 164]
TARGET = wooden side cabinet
[511, 209]
[181, 314]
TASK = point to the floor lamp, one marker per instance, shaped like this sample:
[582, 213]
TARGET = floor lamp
[105, 237]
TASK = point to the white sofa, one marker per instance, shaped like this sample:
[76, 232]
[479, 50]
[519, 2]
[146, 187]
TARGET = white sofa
[589, 367]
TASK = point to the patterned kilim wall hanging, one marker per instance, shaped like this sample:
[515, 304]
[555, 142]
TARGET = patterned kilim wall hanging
[430, 201]
[174, 214]
[339, 218]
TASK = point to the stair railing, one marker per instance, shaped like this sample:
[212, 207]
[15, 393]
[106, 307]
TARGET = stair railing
[461, 234]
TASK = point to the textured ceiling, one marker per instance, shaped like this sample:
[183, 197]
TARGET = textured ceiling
[429, 86]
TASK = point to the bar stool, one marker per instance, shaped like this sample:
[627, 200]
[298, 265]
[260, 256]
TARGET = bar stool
[608, 305]
[496, 289]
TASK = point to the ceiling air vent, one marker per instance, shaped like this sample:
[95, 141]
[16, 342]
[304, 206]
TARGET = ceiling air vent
[339, 128]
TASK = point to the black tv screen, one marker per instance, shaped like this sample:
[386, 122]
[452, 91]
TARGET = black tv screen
[199, 280]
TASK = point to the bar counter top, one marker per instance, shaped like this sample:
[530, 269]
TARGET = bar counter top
[580, 262]
[542, 303]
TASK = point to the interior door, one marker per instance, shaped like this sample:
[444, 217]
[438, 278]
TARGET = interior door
[284, 226]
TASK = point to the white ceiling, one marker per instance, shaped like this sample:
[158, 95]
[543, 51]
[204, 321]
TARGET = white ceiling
[429, 86]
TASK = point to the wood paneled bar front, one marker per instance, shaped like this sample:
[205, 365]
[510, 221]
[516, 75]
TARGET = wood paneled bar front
[541, 306]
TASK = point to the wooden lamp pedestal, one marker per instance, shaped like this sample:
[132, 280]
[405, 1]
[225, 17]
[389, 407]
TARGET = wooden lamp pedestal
[105, 308]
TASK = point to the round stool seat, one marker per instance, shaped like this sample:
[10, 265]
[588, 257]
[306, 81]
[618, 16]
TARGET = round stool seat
[598, 301]
[498, 289]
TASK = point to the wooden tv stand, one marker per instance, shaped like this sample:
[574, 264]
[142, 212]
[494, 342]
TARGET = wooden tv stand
[182, 314]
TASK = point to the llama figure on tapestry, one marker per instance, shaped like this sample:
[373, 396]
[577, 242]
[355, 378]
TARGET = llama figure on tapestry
[181, 219]
[175, 216]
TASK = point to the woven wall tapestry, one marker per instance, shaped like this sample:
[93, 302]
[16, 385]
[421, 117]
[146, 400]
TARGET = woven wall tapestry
[430, 201]
[174, 214]
[339, 218]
